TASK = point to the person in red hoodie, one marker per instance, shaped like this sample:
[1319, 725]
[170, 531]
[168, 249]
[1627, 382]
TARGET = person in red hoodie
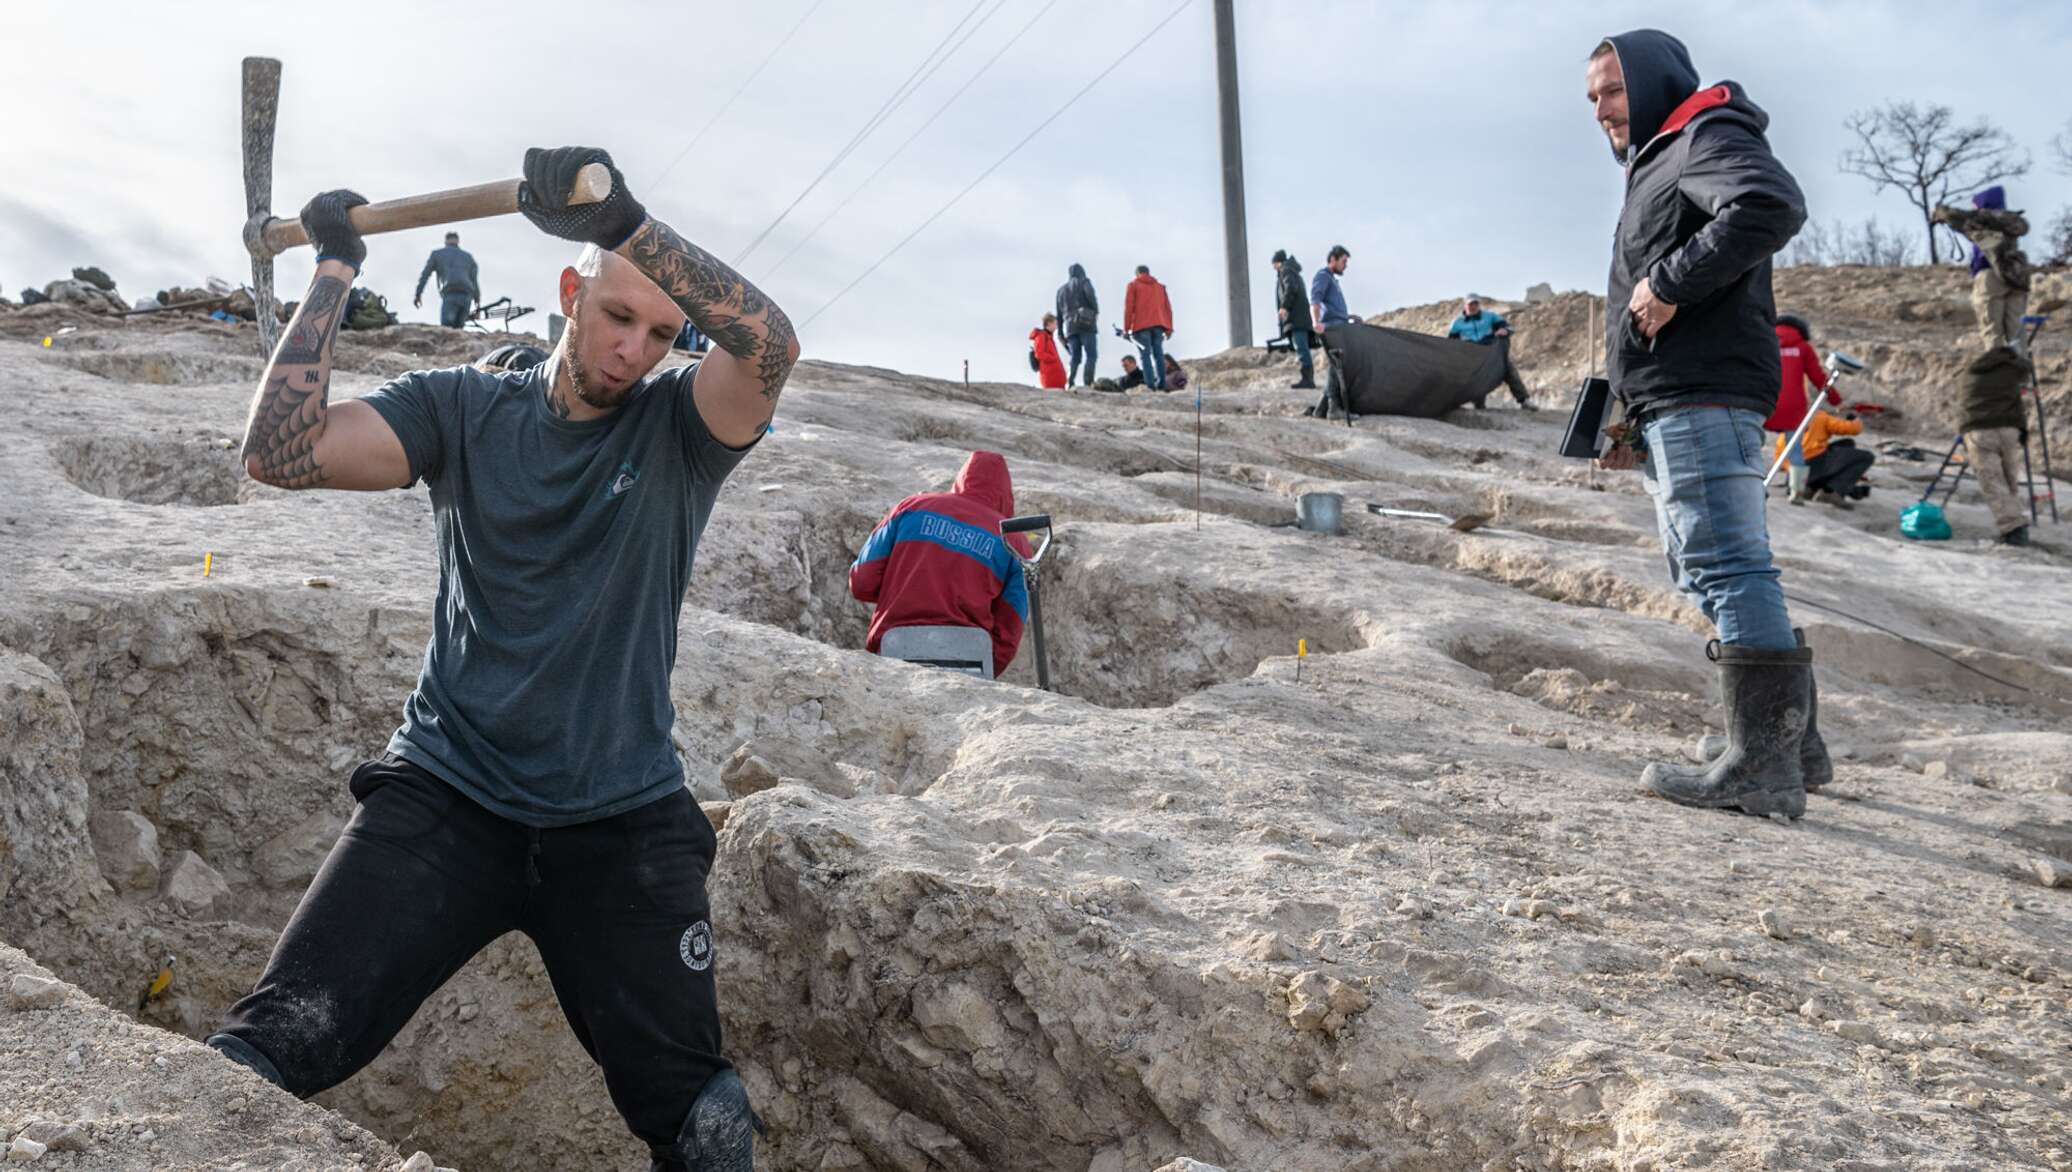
[1147, 317]
[1050, 369]
[938, 560]
[1801, 361]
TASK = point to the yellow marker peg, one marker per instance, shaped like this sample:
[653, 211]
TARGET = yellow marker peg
[46, 341]
[208, 563]
[1301, 648]
[157, 985]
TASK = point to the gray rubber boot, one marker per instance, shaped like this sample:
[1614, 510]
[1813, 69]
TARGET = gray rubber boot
[1814, 764]
[1766, 695]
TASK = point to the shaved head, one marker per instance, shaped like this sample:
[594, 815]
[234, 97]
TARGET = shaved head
[620, 324]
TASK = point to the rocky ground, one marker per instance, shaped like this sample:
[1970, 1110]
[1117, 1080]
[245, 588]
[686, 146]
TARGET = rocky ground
[1401, 906]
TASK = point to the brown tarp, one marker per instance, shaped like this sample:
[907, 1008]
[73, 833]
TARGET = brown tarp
[1398, 372]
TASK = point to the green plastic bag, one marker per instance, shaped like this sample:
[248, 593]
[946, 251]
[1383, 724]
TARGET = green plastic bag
[1922, 521]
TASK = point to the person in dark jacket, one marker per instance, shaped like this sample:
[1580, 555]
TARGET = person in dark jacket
[1693, 361]
[1293, 302]
[1079, 319]
[938, 560]
[1995, 425]
[460, 286]
[1488, 328]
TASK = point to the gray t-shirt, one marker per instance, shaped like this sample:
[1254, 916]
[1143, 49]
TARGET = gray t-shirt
[564, 551]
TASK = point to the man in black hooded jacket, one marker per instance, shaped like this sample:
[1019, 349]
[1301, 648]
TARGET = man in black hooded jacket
[1291, 297]
[1693, 360]
[1079, 319]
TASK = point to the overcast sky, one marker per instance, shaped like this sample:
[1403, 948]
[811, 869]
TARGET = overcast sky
[1448, 146]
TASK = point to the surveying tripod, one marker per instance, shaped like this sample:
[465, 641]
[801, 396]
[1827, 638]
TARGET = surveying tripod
[2047, 491]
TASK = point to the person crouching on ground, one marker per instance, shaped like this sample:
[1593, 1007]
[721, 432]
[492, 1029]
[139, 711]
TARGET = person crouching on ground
[1693, 360]
[1488, 328]
[533, 785]
[1834, 464]
[1043, 348]
[938, 560]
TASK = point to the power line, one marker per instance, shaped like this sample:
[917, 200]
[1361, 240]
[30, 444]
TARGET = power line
[898, 98]
[901, 149]
[1002, 160]
[738, 91]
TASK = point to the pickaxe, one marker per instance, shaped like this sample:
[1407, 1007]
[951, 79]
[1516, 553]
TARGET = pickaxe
[267, 235]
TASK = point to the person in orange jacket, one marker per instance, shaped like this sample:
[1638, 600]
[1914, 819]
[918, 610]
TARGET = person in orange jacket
[1050, 369]
[1834, 464]
[1147, 317]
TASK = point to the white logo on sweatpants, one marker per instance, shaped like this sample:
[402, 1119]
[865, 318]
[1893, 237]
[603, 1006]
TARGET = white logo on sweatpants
[696, 946]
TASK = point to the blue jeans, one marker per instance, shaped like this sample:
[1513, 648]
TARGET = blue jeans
[1086, 347]
[1705, 470]
[1300, 336]
[453, 309]
[1151, 356]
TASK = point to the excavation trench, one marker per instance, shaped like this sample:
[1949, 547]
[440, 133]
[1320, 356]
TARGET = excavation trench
[209, 734]
[153, 470]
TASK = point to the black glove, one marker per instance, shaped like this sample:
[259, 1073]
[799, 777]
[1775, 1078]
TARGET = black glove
[330, 232]
[543, 198]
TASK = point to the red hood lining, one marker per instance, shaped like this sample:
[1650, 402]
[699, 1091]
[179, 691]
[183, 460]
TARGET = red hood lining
[1696, 104]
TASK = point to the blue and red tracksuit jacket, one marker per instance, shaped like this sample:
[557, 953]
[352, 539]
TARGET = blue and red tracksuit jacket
[938, 560]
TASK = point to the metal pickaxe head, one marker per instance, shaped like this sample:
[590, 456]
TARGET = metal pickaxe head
[261, 105]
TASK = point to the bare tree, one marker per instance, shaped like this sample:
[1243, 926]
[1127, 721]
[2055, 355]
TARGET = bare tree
[2061, 146]
[2059, 239]
[1836, 243]
[1922, 152]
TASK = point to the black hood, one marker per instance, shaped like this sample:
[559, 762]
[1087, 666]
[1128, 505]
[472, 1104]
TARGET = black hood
[1076, 271]
[1659, 76]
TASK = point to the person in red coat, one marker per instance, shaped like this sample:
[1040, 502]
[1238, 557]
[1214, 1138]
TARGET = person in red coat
[938, 560]
[1801, 362]
[1147, 317]
[1050, 369]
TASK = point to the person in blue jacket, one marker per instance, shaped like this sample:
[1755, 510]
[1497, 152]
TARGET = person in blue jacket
[1488, 328]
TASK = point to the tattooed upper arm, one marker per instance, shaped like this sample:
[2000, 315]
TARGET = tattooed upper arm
[295, 438]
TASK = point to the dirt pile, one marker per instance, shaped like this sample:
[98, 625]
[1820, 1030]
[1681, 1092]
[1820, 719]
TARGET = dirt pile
[1407, 912]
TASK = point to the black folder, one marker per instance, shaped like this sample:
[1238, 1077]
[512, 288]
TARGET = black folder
[1586, 422]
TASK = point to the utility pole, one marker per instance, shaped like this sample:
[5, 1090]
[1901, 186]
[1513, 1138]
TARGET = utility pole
[1234, 247]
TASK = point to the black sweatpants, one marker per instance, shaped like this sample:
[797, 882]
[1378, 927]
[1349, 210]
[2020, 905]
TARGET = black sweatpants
[1838, 468]
[423, 878]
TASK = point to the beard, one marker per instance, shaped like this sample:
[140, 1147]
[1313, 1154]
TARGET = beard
[579, 374]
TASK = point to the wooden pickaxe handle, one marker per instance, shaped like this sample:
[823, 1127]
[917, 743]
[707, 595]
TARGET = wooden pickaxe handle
[593, 184]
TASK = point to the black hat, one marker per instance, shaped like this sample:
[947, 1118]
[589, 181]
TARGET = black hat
[1279, 255]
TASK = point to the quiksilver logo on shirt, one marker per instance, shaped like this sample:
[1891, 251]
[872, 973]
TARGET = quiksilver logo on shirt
[622, 482]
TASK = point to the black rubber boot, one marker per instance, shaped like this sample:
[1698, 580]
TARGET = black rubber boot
[1767, 696]
[1306, 384]
[719, 1133]
[1814, 765]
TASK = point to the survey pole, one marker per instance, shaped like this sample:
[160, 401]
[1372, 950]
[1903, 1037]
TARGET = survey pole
[1234, 247]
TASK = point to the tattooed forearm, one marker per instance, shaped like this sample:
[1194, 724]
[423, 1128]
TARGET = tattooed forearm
[288, 413]
[719, 301]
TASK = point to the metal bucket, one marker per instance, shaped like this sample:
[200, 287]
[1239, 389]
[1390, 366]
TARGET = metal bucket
[1320, 512]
